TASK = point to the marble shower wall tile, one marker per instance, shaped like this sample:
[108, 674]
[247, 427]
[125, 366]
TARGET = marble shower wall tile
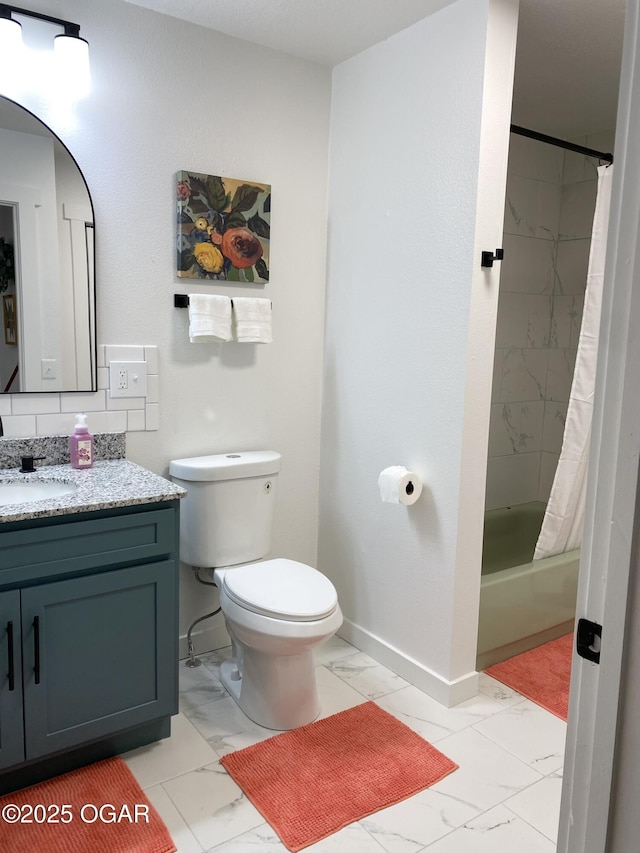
[555, 416]
[576, 320]
[528, 265]
[529, 158]
[524, 374]
[516, 428]
[496, 382]
[539, 321]
[572, 265]
[549, 208]
[548, 465]
[560, 374]
[561, 320]
[532, 208]
[576, 210]
[577, 167]
[513, 320]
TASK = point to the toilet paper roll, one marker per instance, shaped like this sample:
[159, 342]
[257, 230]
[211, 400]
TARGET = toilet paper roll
[399, 486]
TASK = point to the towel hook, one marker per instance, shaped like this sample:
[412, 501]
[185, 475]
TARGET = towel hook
[489, 257]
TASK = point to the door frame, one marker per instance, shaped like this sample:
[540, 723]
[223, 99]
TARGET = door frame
[610, 517]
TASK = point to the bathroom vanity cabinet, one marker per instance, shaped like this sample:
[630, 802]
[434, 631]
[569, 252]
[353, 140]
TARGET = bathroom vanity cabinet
[88, 637]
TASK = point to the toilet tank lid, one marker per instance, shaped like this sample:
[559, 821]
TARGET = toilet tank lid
[226, 466]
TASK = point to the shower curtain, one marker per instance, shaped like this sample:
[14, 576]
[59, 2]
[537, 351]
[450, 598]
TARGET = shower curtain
[562, 525]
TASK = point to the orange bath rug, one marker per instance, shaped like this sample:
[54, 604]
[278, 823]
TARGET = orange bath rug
[96, 809]
[310, 782]
[541, 674]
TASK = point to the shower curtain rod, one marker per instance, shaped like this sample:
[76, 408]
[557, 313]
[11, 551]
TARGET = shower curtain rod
[570, 146]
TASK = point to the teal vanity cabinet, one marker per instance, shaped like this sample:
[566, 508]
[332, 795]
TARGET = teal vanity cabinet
[11, 725]
[88, 637]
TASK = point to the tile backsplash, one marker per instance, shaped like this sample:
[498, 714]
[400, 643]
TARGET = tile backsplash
[26, 415]
[55, 449]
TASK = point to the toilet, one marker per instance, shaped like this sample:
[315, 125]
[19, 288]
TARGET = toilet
[276, 611]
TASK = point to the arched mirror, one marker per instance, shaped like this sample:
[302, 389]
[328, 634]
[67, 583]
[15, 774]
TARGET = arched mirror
[47, 278]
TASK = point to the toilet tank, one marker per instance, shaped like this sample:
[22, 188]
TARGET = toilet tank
[226, 517]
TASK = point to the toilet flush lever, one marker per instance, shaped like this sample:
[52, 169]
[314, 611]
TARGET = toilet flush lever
[489, 257]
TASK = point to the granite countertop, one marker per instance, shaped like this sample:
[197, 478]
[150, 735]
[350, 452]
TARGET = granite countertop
[109, 484]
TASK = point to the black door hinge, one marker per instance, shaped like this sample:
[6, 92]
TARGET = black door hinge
[588, 639]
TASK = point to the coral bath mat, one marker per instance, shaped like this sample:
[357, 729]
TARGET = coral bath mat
[310, 782]
[96, 809]
[542, 674]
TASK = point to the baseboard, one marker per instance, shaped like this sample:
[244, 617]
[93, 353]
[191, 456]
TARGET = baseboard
[446, 692]
[205, 640]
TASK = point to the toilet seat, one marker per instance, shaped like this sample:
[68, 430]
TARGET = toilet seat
[281, 589]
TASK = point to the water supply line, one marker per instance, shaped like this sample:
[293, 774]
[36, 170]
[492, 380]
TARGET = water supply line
[192, 661]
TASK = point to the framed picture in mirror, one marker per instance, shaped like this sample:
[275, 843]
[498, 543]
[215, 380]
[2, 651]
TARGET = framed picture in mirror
[9, 320]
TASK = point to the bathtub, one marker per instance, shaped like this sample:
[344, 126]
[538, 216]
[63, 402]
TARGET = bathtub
[522, 603]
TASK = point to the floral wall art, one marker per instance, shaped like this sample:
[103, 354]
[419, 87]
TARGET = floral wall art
[223, 228]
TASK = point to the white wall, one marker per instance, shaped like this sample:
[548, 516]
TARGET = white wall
[166, 96]
[405, 154]
[409, 121]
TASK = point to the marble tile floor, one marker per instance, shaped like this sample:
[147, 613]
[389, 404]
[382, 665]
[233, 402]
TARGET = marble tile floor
[505, 796]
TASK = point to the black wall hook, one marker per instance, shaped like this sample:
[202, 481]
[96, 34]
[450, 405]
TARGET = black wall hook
[180, 300]
[489, 257]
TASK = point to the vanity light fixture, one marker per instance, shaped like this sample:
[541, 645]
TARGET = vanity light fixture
[10, 35]
[71, 52]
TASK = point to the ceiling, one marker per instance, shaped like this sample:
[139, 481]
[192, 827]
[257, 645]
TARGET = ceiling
[567, 64]
[324, 31]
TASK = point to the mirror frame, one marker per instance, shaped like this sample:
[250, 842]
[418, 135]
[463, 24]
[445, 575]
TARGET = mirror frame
[91, 272]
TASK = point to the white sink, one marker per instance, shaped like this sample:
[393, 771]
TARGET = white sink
[33, 490]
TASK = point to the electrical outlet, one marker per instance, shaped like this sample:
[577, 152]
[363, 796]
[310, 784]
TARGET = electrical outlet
[127, 378]
[123, 378]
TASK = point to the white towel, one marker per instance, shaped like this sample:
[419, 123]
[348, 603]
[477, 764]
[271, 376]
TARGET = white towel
[252, 319]
[209, 318]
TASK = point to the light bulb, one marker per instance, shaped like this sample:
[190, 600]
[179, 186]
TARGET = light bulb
[71, 54]
[10, 49]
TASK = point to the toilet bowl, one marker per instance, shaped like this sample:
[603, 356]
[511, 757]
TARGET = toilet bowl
[276, 613]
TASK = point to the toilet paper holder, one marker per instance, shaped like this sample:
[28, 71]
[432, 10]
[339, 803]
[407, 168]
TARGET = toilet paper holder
[398, 485]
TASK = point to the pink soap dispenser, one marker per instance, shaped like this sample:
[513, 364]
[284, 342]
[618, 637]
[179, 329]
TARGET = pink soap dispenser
[81, 444]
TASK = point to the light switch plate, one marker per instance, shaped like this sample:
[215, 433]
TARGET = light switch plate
[48, 368]
[127, 378]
